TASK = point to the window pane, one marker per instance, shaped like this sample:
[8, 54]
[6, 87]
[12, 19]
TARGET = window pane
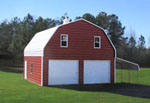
[64, 43]
[31, 67]
[96, 39]
[64, 37]
[96, 44]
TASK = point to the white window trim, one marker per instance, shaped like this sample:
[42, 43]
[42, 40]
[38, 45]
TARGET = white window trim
[30, 68]
[62, 40]
[98, 42]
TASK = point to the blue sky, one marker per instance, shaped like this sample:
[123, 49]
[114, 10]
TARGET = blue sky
[134, 14]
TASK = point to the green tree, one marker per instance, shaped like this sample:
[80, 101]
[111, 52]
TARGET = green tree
[122, 50]
[23, 31]
[78, 17]
[89, 17]
[23, 34]
[115, 30]
[132, 48]
[141, 42]
[132, 42]
[102, 20]
[6, 34]
[16, 34]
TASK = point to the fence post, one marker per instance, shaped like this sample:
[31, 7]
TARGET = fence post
[121, 75]
[137, 76]
[129, 76]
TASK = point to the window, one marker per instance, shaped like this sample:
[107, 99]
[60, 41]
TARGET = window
[31, 68]
[97, 42]
[64, 40]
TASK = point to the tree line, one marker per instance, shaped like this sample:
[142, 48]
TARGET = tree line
[16, 34]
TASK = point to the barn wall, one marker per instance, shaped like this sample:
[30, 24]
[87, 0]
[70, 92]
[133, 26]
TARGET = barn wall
[36, 73]
[80, 47]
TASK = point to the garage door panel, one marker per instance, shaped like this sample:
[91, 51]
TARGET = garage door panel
[96, 71]
[63, 72]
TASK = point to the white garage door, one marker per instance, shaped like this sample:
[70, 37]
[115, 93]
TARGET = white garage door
[96, 71]
[63, 72]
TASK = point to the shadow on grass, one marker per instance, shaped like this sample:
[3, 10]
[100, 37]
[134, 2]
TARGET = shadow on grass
[12, 69]
[134, 90]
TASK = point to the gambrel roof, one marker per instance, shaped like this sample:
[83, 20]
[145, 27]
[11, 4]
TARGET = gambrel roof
[36, 46]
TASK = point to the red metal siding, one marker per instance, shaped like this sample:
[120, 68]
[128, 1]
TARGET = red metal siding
[80, 47]
[36, 73]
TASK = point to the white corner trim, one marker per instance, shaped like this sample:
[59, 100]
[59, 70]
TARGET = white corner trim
[25, 69]
[115, 70]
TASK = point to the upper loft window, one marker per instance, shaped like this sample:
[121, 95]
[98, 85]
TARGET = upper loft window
[97, 42]
[64, 40]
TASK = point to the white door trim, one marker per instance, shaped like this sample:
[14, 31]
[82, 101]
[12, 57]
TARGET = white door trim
[25, 69]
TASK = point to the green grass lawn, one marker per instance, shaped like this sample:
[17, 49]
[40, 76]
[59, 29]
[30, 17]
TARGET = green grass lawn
[14, 89]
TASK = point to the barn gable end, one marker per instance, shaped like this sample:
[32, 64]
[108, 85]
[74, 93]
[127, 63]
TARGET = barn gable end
[80, 47]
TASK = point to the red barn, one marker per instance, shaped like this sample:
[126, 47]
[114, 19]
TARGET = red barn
[77, 52]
